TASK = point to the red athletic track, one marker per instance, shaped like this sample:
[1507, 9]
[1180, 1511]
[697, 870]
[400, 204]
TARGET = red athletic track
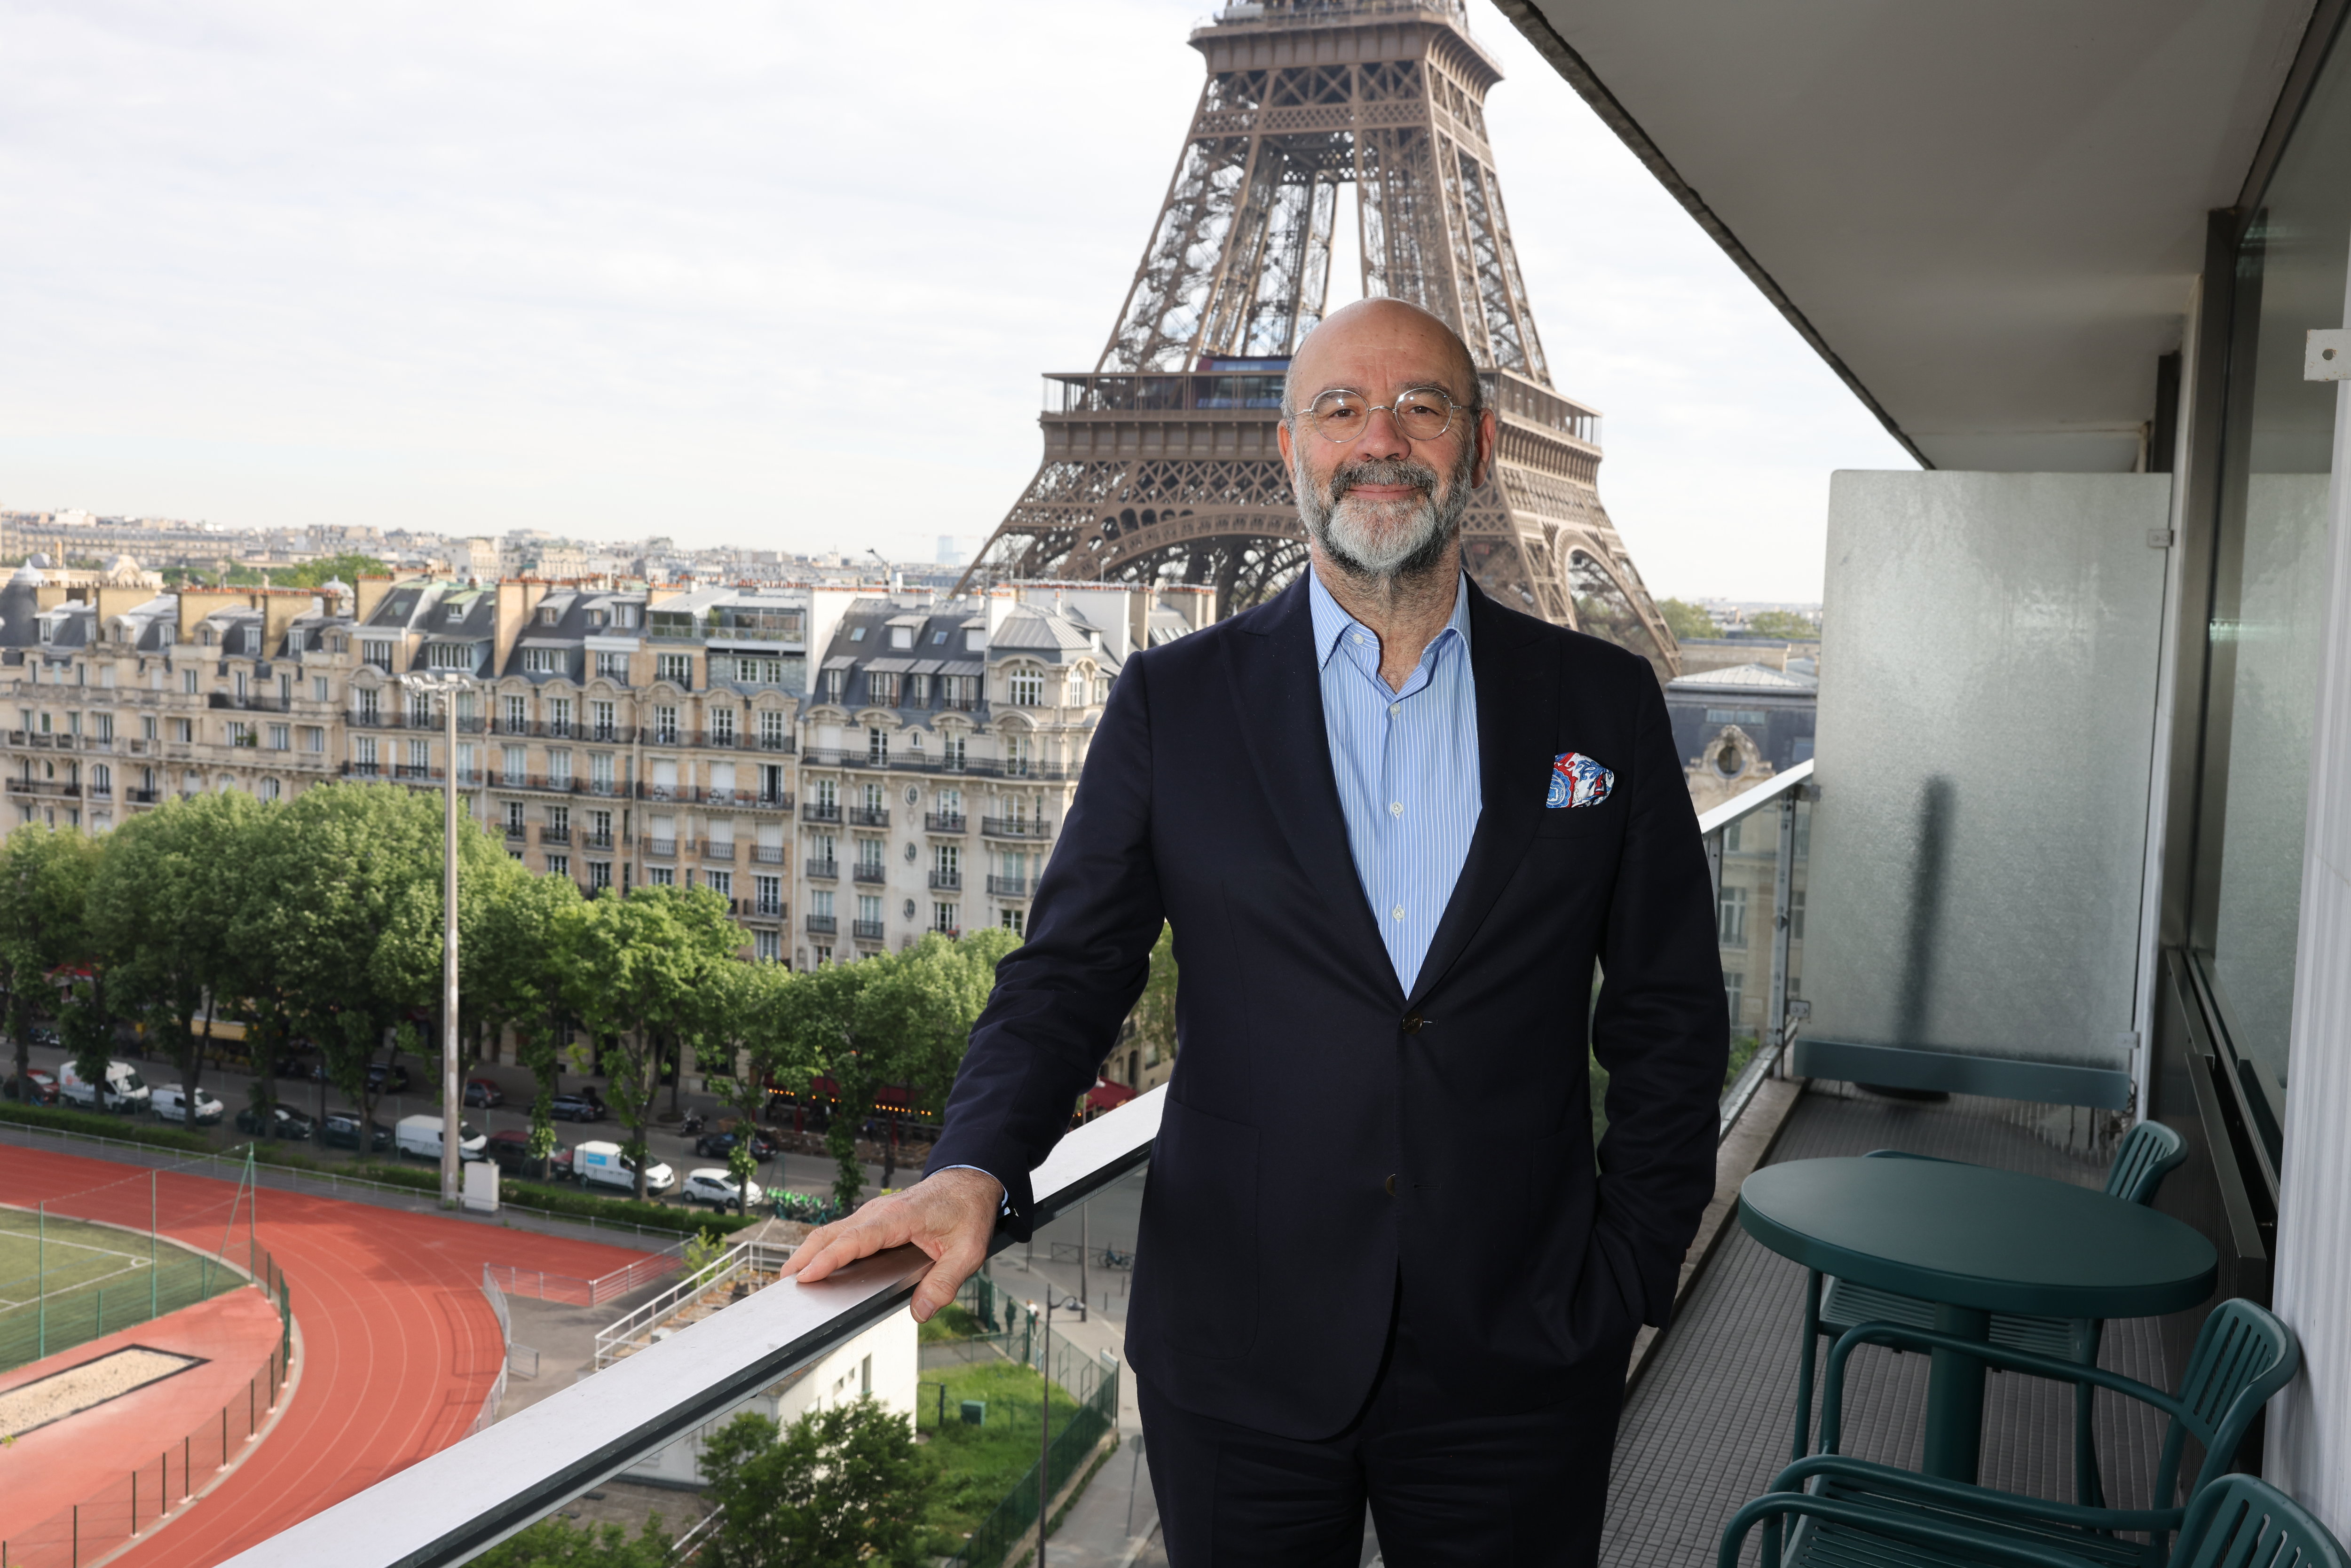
[398, 1346]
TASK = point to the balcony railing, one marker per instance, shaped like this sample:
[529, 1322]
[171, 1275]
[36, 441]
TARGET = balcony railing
[947, 881]
[866, 930]
[819, 924]
[818, 871]
[454, 1504]
[1009, 886]
[867, 872]
[716, 850]
[770, 854]
[1014, 828]
[1757, 849]
[869, 817]
[819, 812]
[944, 821]
[665, 849]
[554, 835]
[768, 909]
[596, 841]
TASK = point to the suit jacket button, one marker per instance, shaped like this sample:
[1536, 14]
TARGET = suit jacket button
[1412, 1022]
[1391, 1186]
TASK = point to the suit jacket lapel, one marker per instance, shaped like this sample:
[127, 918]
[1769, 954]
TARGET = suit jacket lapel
[1278, 692]
[1517, 718]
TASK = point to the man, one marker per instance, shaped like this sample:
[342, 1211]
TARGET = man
[1395, 826]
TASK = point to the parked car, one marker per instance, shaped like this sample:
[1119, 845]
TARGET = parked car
[511, 1151]
[121, 1089]
[275, 1122]
[718, 1145]
[420, 1136]
[387, 1077]
[603, 1165]
[716, 1188]
[36, 1087]
[177, 1103]
[483, 1093]
[581, 1105]
[43, 1034]
[341, 1128]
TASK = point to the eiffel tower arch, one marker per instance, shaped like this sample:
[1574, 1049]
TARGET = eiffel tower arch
[1160, 463]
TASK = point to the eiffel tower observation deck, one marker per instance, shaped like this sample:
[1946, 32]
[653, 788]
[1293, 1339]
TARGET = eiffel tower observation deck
[1160, 463]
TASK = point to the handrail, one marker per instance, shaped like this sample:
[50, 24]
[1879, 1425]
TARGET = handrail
[1749, 802]
[476, 1493]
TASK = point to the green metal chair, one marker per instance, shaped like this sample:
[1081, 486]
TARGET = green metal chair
[2238, 1521]
[2245, 1523]
[1832, 1307]
[1844, 1510]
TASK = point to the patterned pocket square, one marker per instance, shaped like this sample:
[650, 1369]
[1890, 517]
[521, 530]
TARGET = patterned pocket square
[1577, 780]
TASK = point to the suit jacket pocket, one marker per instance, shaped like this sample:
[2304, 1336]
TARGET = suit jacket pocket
[1199, 1235]
[1580, 822]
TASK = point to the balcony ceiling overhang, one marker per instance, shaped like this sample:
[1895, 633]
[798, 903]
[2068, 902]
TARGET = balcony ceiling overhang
[1988, 218]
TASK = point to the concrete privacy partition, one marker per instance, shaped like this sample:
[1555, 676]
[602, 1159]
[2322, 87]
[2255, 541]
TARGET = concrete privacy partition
[1987, 718]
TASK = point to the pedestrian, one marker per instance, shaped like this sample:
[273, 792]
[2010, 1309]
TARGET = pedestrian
[1395, 823]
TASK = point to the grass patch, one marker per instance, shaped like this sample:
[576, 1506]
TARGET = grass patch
[974, 1467]
[64, 1283]
[98, 1125]
[952, 1322]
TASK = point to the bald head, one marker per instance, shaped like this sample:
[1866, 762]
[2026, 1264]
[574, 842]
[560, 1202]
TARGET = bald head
[1376, 343]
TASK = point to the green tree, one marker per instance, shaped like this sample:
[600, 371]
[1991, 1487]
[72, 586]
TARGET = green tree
[1783, 623]
[1154, 1018]
[816, 1024]
[736, 1007]
[1686, 619]
[165, 899]
[315, 573]
[841, 1488]
[45, 876]
[500, 961]
[341, 865]
[635, 970]
[558, 1543]
[917, 1019]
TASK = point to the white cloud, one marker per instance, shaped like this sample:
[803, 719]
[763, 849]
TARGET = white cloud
[780, 274]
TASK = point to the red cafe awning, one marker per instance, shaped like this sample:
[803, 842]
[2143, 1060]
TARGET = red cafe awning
[1107, 1096]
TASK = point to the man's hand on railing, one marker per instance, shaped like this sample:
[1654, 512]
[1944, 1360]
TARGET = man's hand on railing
[949, 1215]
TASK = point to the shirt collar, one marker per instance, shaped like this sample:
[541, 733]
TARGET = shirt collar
[1333, 623]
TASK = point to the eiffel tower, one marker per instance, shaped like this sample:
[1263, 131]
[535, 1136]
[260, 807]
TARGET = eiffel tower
[1160, 463]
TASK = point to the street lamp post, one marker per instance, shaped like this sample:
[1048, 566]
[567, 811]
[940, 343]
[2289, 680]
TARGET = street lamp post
[447, 686]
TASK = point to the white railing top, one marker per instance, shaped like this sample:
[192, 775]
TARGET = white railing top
[711, 1276]
[1749, 802]
[475, 1494]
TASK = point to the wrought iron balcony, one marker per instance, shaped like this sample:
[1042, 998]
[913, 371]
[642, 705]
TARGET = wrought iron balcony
[818, 871]
[1009, 886]
[947, 881]
[819, 924]
[554, 835]
[945, 822]
[1014, 828]
[770, 854]
[869, 817]
[819, 812]
[868, 872]
[866, 930]
[665, 849]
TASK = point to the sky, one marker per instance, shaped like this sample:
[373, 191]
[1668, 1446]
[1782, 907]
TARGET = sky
[782, 276]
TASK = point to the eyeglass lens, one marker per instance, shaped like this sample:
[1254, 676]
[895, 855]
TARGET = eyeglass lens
[1343, 415]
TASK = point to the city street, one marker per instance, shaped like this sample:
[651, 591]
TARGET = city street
[807, 1173]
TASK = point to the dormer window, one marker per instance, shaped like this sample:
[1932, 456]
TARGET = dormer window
[456, 613]
[624, 616]
[902, 636]
[595, 619]
[48, 630]
[548, 616]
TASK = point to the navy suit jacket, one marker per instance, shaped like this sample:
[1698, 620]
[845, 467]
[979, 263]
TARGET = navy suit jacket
[1326, 1136]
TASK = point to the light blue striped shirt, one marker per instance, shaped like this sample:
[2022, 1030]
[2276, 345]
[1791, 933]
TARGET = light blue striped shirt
[1407, 767]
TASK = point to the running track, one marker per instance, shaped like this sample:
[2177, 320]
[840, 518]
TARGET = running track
[398, 1347]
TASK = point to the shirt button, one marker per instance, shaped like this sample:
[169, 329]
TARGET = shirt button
[1397, 912]
[1396, 808]
[1395, 708]
[1359, 639]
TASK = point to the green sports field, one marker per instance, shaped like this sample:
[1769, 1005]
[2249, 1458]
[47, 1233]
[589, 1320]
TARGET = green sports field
[64, 1282]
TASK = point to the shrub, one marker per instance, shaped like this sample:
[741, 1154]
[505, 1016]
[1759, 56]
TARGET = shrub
[99, 1126]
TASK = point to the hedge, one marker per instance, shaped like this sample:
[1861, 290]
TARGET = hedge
[98, 1125]
[571, 1202]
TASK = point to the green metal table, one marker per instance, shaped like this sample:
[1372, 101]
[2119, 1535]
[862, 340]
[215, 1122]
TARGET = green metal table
[1975, 1240]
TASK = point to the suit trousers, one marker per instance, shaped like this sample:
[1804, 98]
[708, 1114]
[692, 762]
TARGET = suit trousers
[1443, 1488]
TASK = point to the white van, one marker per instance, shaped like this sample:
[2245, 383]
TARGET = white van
[174, 1104]
[603, 1165]
[122, 1090]
[421, 1137]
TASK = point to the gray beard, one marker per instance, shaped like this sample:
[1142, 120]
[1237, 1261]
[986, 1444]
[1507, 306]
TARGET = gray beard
[1356, 543]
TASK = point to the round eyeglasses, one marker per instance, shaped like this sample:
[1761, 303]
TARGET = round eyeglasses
[1424, 414]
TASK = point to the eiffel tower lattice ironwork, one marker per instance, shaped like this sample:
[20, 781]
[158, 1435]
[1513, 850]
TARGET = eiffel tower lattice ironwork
[1161, 464]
